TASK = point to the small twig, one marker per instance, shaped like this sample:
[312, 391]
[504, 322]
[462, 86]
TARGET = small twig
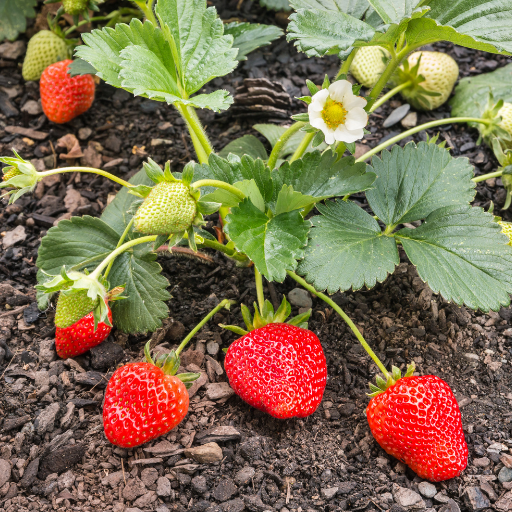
[1, 376]
[288, 493]
[122, 467]
[54, 155]
[14, 311]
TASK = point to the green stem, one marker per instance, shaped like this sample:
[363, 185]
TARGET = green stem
[121, 240]
[345, 65]
[194, 125]
[116, 252]
[147, 9]
[83, 22]
[219, 184]
[86, 169]
[497, 174]
[343, 315]
[416, 129]
[198, 146]
[213, 244]
[259, 288]
[303, 146]
[276, 151]
[197, 328]
[388, 95]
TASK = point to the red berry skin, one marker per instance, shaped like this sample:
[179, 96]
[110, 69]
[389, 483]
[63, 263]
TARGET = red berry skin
[279, 369]
[418, 421]
[141, 404]
[80, 337]
[63, 97]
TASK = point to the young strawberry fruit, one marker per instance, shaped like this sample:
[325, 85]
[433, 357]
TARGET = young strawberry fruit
[506, 228]
[145, 400]
[418, 421]
[63, 96]
[505, 113]
[368, 64]
[74, 7]
[439, 72]
[44, 49]
[279, 369]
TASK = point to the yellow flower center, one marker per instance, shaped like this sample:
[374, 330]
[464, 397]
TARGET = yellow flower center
[333, 113]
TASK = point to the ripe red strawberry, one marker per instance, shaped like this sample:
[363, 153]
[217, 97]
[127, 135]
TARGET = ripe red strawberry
[64, 97]
[418, 421]
[80, 337]
[279, 369]
[142, 402]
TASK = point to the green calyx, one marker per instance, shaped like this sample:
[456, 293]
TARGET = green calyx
[495, 129]
[268, 316]
[396, 375]
[169, 364]
[171, 209]
[20, 175]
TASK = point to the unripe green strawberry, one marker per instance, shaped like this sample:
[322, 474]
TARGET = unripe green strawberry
[72, 307]
[169, 208]
[440, 72]
[506, 228]
[11, 173]
[368, 64]
[506, 117]
[74, 7]
[43, 49]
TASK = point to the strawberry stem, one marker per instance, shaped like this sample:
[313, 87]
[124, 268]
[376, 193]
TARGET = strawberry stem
[226, 303]
[259, 288]
[219, 184]
[121, 240]
[345, 65]
[389, 94]
[86, 169]
[276, 150]
[343, 315]
[497, 174]
[301, 149]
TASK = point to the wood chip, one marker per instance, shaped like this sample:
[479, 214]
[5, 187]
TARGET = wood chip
[27, 132]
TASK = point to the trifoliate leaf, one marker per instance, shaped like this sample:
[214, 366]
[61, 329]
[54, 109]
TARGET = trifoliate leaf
[247, 145]
[347, 249]
[416, 180]
[462, 254]
[273, 244]
[247, 37]
[12, 17]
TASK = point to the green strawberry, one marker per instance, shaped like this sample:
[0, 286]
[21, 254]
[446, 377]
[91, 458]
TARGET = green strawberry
[72, 307]
[74, 7]
[506, 228]
[169, 208]
[368, 64]
[43, 49]
[506, 117]
[440, 72]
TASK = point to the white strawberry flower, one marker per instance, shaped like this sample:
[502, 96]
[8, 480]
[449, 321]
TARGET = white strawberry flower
[338, 112]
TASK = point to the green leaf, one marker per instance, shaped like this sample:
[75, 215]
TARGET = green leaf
[289, 200]
[416, 180]
[273, 244]
[355, 8]
[202, 51]
[276, 5]
[249, 36]
[472, 93]
[272, 132]
[326, 32]
[393, 11]
[462, 254]
[347, 249]
[319, 175]
[12, 17]
[247, 145]
[480, 24]
[80, 67]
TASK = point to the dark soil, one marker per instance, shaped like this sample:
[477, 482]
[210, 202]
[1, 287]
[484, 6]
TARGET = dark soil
[53, 453]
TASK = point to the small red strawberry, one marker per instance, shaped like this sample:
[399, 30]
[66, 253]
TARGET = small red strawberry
[64, 97]
[145, 400]
[279, 369]
[418, 421]
[80, 337]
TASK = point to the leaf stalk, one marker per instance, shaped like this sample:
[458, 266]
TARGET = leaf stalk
[276, 150]
[219, 184]
[389, 94]
[303, 146]
[88, 170]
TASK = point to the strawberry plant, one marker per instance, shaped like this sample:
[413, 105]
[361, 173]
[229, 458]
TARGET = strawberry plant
[13, 14]
[287, 213]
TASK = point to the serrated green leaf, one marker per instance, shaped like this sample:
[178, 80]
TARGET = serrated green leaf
[393, 11]
[462, 254]
[80, 67]
[247, 145]
[289, 200]
[274, 245]
[416, 180]
[347, 249]
[203, 51]
[247, 37]
[276, 5]
[472, 93]
[355, 8]
[12, 17]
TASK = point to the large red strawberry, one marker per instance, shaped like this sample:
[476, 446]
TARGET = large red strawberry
[144, 401]
[63, 97]
[418, 421]
[279, 369]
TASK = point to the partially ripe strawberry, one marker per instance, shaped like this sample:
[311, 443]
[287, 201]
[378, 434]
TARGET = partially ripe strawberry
[418, 421]
[81, 336]
[74, 7]
[44, 48]
[279, 369]
[368, 64]
[505, 113]
[64, 97]
[72, 307]
[440, 72]
[169, 208]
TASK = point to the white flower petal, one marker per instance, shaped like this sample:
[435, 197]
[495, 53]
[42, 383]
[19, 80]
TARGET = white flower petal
[318, 101]
[314, 115]
[354, 102]
[329, 136]
[318, 123]
[339, 89]
[356, 119]
[343, 135]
